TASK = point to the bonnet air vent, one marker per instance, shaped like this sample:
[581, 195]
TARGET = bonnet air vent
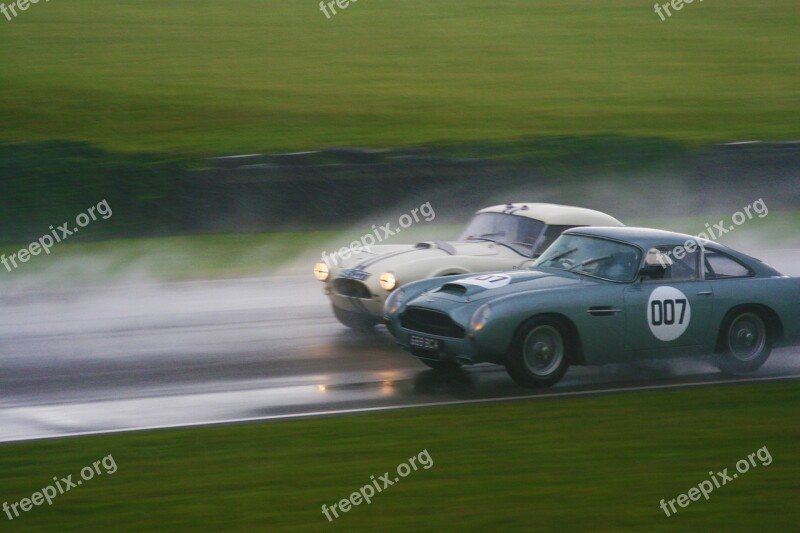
[454, 289]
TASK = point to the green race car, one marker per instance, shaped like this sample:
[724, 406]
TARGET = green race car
[602, 295]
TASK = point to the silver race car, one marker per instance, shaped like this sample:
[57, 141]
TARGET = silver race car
[501, 237]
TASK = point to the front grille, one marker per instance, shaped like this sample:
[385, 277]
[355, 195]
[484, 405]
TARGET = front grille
[351, 287]
[431, 322]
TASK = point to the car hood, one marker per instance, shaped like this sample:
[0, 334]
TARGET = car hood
[499, 284]
[395, 256]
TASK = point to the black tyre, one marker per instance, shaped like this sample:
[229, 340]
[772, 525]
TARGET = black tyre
[746, 343]
[353, 320]
[539, 354]
[443, 366]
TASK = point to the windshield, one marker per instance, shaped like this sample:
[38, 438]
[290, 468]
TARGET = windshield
[593, 256]
[514, 231]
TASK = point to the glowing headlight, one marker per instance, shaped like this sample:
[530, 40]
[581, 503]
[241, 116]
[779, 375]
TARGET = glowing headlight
[321, 271]
[480, 317]
[394, 301]
[388, 281]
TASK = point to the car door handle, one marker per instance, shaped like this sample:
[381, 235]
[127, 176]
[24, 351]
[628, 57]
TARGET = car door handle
[603, 311]
[705, 293]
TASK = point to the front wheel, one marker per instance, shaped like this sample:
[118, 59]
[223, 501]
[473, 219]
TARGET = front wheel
[353, 320]
[539, 354]
[746, 343]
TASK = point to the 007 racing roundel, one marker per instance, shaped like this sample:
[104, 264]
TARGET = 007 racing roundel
[668, 313]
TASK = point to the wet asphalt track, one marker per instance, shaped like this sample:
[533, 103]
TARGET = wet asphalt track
[141, 356]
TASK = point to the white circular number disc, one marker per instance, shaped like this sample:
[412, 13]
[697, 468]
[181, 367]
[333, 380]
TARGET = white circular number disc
[488, 281]
[668, 313]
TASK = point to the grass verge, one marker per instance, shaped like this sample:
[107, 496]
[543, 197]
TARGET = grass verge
[573, 464]
[249, 75]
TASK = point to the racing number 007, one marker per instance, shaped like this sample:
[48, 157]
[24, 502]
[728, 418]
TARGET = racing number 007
[663, 311]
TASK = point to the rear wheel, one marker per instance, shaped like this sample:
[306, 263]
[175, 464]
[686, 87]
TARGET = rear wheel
[746, 343]
[353, 320]
[539, 354]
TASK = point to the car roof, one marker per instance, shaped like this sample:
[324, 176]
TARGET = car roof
[644, 237]
[555, 214]
[648, 238]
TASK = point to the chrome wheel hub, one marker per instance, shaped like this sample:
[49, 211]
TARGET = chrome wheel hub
[543, 350]
[747, 337]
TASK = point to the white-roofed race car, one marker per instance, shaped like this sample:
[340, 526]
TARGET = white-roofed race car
[501, 237]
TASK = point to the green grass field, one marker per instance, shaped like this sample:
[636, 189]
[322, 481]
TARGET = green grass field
[250, 75]
[599, 463]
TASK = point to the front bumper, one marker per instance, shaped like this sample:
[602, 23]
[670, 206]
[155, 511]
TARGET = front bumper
[372, 307]
[460, 350]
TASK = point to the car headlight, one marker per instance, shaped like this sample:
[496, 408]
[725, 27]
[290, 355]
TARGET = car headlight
[480, 318]
[321, 271]
[388, 281]
[394, 301]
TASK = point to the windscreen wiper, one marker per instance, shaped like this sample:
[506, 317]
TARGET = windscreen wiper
[589, 261]
[562, 254]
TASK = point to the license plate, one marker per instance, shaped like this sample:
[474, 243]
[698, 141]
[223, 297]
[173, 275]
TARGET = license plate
[424, 343]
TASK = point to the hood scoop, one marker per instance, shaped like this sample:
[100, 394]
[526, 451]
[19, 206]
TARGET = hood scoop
[441, 245]
[482, 283]
[453, 288]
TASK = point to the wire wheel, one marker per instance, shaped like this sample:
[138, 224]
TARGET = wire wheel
[543, 350]
[747, 337]
[747, 343]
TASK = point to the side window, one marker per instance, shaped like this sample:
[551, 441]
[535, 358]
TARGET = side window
[721, 266]
[672, 264]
